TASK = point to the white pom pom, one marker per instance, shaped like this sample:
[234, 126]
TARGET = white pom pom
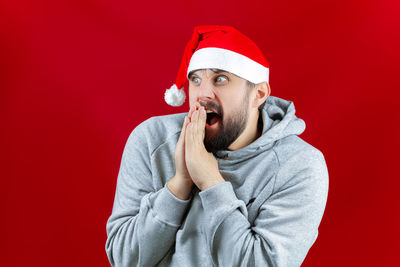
[174, 97]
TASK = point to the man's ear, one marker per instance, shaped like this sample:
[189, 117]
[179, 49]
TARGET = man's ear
[263, 90]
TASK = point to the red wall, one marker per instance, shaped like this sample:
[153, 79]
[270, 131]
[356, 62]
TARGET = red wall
[77, 76]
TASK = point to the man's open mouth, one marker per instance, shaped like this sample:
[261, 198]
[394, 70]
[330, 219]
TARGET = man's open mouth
[212, 118]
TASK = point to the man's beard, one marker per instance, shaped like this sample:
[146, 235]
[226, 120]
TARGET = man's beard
[228, 131]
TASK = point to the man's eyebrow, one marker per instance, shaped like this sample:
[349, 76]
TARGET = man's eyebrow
[213, 70]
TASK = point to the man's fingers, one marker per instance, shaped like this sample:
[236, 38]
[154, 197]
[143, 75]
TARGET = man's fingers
[200, 125]
[195, 116]
[201, 122]
[187, 139]
[185, 123]
[193, 129]
[193, 108]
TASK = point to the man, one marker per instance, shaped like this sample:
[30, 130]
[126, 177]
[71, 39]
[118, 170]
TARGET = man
[228, 183]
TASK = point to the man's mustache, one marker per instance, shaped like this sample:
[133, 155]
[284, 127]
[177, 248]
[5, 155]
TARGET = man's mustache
[211, 105]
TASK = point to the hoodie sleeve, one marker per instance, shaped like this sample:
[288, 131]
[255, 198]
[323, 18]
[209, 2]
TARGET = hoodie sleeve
[287, 222]
[143, 222]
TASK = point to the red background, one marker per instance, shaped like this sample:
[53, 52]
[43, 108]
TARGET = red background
[77, 76]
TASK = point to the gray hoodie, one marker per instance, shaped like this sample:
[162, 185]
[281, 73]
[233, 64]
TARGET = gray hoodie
[266, 213]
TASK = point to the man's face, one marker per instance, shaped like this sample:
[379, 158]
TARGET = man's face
[228, 95]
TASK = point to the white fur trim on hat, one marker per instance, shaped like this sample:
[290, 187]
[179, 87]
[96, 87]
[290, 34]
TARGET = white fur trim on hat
[242, 66]
[174, 97]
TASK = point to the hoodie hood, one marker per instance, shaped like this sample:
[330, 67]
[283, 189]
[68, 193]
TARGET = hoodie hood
[279, 121]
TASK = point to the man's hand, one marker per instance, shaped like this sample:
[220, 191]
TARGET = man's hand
[181, 184]
[201, 164]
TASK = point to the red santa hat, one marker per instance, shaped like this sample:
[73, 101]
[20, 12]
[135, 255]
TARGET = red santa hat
[221, 47]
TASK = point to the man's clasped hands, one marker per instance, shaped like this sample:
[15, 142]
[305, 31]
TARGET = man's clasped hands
[193, 163]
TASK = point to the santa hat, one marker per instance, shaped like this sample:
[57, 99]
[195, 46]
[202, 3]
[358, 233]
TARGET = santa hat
[220, 47]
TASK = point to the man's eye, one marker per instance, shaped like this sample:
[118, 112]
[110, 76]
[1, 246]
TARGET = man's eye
[218, 80]
[221, 77]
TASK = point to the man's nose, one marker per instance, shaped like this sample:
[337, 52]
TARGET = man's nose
[206, 91]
